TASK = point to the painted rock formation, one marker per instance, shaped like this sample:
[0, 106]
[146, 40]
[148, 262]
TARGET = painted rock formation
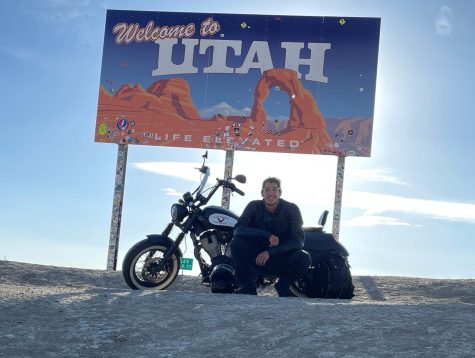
[164, 114]
[165, 96]
[174, 94]
[304, 112]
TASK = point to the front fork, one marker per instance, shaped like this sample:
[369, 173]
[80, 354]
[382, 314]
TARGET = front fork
[165, 232]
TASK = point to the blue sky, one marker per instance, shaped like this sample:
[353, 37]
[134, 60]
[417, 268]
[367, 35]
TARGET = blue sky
[409, 209]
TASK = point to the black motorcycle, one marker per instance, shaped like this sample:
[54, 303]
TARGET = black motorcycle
[154, 263]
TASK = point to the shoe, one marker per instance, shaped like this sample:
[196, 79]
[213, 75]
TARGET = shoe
[283, 290]
[246, 291]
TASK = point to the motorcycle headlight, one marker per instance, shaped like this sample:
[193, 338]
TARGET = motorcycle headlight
[178, 212]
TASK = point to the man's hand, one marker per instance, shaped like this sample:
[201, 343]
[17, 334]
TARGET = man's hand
[273, 240]
[262, 258]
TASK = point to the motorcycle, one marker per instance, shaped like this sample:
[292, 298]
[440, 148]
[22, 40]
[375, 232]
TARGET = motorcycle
[154, 262]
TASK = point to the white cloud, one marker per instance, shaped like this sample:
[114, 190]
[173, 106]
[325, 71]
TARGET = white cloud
[303, 180]
[375, 175]
[310, 183]
[443, 24]
[171, 192]
[374, 220]
[76, 19]
[27, 55]
[373, 204]
[59, 11]
[181, 170]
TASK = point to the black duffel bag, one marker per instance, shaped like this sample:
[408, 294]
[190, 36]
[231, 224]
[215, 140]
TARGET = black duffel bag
[329, 276]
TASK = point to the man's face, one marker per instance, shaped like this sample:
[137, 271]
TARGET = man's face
[271, 194]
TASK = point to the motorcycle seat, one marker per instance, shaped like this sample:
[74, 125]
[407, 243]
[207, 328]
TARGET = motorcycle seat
[313, 229]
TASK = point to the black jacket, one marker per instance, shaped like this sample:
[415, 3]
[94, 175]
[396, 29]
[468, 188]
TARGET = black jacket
[256, 223]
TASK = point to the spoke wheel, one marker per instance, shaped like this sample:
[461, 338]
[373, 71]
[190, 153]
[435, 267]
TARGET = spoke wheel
[141, 266]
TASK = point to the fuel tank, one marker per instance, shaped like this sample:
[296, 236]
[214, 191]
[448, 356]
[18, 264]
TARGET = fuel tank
[218, 218]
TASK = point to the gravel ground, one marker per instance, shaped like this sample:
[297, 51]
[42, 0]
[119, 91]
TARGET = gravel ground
[48, 311]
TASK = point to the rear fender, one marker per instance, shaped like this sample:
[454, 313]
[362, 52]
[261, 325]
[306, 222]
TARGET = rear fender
[164, 240]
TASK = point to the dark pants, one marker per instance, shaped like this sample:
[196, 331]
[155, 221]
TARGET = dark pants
[288, 267]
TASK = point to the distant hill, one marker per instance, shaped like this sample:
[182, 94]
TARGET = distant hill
[224, 109]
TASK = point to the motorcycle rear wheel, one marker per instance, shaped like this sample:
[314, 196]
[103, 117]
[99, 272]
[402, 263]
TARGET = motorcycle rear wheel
[139, 266]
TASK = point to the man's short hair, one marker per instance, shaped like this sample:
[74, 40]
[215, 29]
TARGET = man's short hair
[271, 180]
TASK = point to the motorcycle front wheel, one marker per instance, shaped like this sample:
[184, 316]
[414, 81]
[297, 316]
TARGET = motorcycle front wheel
[140, 266]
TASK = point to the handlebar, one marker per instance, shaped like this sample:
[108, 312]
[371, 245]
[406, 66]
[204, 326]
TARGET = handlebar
[201, 200]
[234, 188]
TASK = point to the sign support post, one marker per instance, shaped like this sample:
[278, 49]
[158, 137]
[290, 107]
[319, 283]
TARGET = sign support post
[117, 207]
[340, 173]
[228, 173]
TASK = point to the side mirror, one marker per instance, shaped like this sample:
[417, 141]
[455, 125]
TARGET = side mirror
[240, 178]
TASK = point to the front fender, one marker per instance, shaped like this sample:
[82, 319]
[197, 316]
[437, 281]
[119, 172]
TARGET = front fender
[164, 240]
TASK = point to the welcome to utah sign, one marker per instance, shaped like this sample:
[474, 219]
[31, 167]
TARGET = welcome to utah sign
[296, 84]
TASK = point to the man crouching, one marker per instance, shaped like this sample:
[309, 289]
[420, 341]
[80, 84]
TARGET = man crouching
[268, 240]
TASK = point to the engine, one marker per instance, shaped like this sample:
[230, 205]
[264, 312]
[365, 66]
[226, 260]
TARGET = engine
[215, 243]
